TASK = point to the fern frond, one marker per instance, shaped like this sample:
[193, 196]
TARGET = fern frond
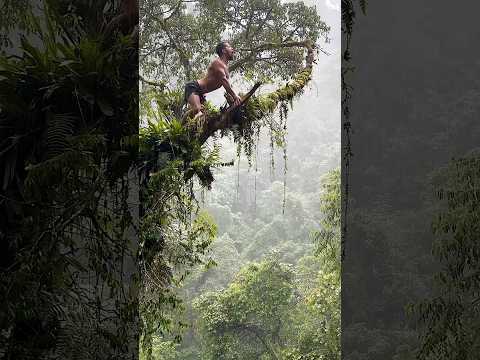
[60, 127]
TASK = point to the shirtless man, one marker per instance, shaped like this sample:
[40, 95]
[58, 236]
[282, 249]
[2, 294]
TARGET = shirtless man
[217, 75]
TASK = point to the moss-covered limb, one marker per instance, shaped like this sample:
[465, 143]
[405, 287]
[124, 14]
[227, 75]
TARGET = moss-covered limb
[269, 102]
[223, 120]
[160, 85]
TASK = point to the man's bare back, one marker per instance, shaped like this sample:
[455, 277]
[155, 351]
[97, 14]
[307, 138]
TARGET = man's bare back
[217, 76]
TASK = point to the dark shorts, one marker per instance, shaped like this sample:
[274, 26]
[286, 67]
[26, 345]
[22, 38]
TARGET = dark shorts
[193, 87]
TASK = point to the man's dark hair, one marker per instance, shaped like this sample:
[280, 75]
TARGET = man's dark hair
[220, 46]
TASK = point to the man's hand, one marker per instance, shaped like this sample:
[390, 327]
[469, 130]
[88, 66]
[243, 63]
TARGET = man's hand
[226, 84]
[236, 100]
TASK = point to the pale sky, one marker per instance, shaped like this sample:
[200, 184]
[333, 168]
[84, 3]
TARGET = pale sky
[333, 4]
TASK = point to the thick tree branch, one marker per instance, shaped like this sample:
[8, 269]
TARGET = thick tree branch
[264, 21]
[161, 85]
[224, 121]
[180, 51]
[268, 46]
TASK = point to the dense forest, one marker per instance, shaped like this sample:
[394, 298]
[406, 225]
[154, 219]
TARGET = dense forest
[409, 287]
[273, 305]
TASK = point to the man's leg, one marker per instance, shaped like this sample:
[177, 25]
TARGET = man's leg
[196, 106]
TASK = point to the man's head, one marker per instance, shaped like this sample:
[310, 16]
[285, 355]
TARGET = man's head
[224, 48]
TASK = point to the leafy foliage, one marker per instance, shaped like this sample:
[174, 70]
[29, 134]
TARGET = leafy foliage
[183, 35]
[171, 242]
[246, 318]
[450, 319]
[67, 144]
[327, 239]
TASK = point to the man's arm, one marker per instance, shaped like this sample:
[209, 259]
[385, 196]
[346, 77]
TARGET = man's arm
[226, 84]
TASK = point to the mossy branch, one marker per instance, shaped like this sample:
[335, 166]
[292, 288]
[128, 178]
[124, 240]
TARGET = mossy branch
[225, 119]
[160, 85]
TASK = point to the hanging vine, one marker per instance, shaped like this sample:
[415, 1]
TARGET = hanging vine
[283, 124]
[348, 19]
